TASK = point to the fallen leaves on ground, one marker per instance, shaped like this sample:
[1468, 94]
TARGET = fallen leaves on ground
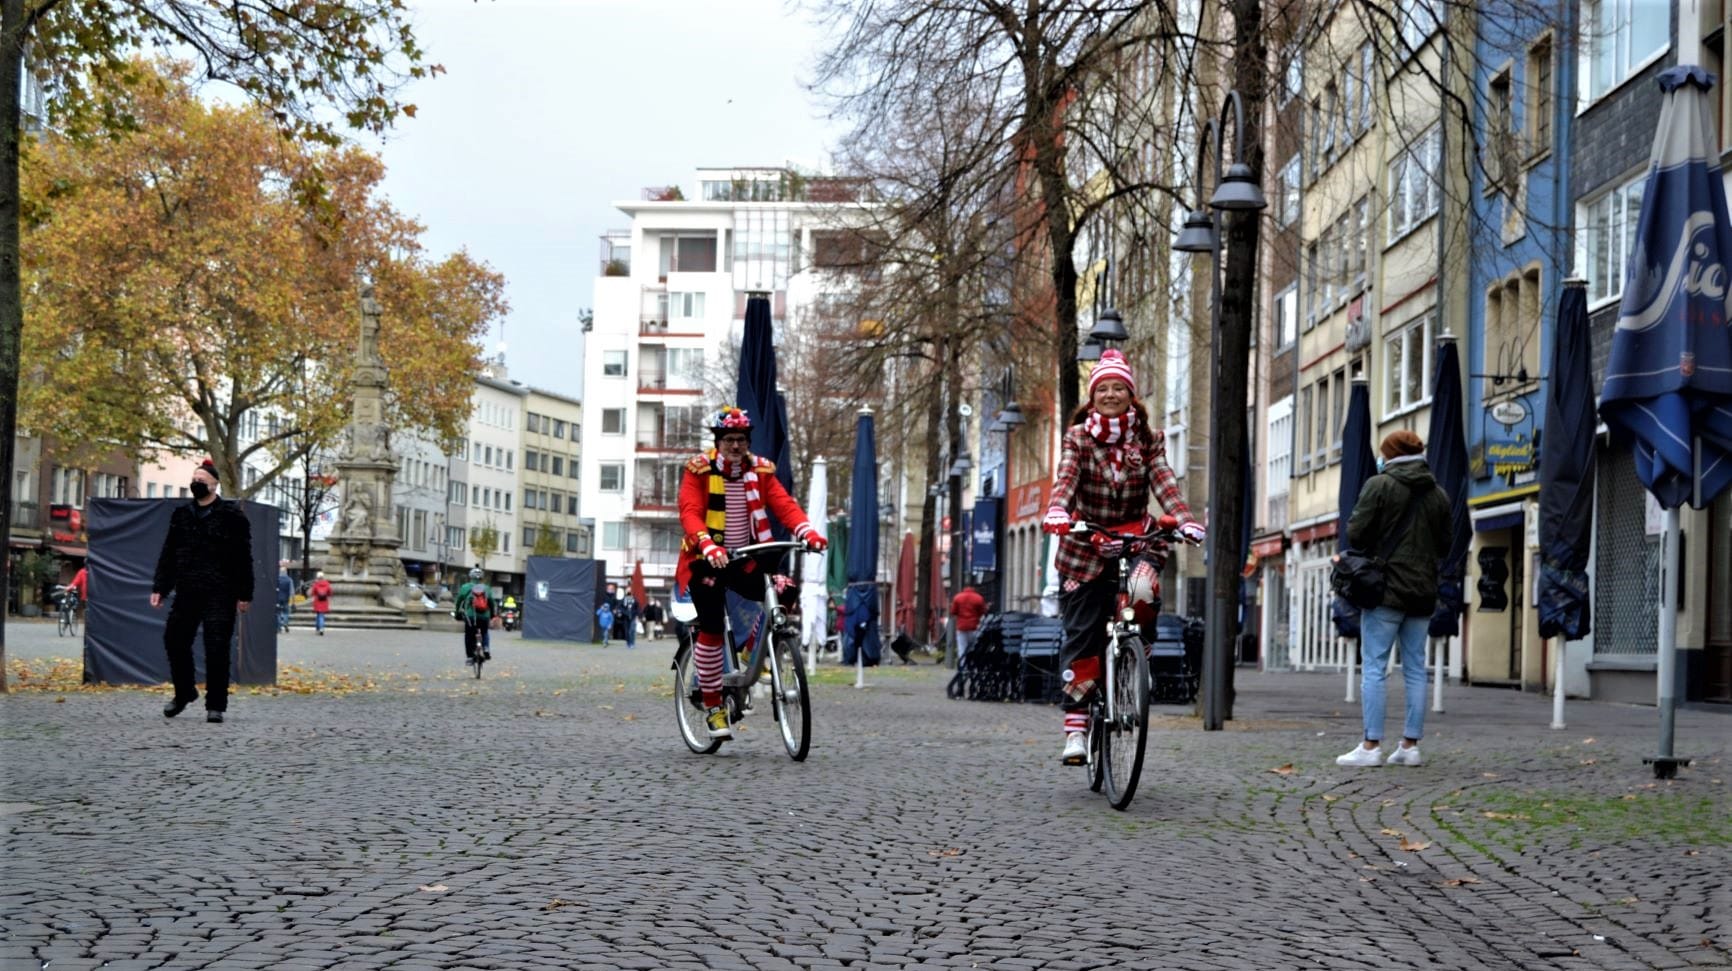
[557, 903]
[1459, 881]
[434, 888]
[1283, 769]
[66, 675]
[946, 852]
[1414, 846]
[1392, 832]
[1494, 814]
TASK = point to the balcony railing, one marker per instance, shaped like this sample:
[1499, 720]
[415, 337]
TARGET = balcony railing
[26, 515]
[653, 324]
[653, 497]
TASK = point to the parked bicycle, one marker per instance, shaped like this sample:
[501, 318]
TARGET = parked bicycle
[67, 600]
[1118, 731]
[775, 656]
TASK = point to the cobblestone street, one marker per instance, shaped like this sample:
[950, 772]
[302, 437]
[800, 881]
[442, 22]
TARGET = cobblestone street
[548, 816]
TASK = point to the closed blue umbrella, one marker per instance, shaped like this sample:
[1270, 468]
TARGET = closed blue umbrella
[862, 602]
[1669, 377]
[1446, 453]
[1567, 473]
[756, 392]
[1358, 465]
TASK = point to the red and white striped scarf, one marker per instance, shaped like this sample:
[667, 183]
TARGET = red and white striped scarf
[741, 472]
[1115, 433]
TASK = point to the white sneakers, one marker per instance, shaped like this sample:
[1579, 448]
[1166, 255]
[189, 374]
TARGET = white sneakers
[1361, 756]
[1403, 755]
[1076, 750]
[1364, 757]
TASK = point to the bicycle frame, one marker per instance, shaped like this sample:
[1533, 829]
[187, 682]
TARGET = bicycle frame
[775, 619]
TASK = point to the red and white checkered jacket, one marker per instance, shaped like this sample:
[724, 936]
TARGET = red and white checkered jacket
[1084, 489]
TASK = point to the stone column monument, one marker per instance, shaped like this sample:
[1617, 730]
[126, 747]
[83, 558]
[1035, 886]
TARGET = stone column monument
[365, 571]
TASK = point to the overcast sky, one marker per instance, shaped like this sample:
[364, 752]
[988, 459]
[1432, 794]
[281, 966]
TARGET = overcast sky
[552, 110]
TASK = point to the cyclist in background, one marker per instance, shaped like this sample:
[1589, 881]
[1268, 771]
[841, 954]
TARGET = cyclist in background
[1113, 461]
[474, 606]
[727, 495]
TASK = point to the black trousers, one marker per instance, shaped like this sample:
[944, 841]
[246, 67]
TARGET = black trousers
[710, 586]
[473, 635]
[1087, 610]
[190, 610]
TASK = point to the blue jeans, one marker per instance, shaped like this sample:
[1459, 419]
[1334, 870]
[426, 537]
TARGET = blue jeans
[318, 621]
[1379, 630]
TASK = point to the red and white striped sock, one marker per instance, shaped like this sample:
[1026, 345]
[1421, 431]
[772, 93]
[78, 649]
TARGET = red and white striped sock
[1076, 721]
[707, 656]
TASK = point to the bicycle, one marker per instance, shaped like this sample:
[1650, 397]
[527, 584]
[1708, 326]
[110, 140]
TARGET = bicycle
[776, 653]
[1118, 731]
[67, 624]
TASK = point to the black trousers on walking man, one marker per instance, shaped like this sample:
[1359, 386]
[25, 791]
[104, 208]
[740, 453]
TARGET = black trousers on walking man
[186, 614]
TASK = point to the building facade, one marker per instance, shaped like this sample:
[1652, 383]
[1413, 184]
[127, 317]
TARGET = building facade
[552, 470]
[492, 447]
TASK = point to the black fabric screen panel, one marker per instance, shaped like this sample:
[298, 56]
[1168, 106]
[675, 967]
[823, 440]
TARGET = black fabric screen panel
[123, 635]
[559, 599]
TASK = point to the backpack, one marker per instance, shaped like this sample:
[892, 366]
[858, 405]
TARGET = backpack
[478, 599]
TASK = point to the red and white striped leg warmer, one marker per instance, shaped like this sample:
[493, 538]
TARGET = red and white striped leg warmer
[707, 656]
[1076, 721]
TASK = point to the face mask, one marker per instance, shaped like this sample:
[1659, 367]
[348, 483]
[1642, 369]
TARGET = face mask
[1380, 463]
[199, 489]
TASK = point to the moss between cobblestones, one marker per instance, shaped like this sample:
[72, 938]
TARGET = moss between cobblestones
[1523, 820]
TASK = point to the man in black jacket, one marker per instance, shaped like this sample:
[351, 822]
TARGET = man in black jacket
[207, 563]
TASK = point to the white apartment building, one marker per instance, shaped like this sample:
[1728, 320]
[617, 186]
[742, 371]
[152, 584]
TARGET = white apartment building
[492, 449]
[669, 308]
[421, 502]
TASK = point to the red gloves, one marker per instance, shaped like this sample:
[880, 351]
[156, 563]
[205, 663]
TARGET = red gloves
[810, 537]
[715, 555]
[1057, 522]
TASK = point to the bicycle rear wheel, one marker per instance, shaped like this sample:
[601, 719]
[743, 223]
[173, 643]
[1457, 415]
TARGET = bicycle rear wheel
[688, 706]
[1127, 730]
[790, 697]
[64, 626]
[72, 624]
[477, 660]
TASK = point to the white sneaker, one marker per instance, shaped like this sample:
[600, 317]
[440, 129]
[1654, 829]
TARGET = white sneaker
[1076, 750]
[1403, 755]
[1361, 756]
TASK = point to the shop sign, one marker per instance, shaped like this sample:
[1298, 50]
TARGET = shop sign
[1510, 456]
[1509, 413]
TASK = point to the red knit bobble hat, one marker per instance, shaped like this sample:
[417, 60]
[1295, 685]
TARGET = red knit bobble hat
[1112, 365]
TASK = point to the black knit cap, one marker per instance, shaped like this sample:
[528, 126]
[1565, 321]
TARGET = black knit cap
[210, 467]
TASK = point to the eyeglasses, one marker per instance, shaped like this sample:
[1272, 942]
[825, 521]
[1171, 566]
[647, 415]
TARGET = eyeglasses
[736, 440]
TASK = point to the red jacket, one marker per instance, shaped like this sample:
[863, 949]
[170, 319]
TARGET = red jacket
[695, 502]
[968, 607]
[321, 594]
[81, 583]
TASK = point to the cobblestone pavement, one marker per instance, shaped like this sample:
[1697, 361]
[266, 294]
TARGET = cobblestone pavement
[548, 816]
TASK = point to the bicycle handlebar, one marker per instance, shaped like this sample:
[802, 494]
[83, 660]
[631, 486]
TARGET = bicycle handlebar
[1158, 534]
[774, 546]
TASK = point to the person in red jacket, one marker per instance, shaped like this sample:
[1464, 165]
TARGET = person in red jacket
[81, 584]
[726, 498]
[320, 592]
[967, 608]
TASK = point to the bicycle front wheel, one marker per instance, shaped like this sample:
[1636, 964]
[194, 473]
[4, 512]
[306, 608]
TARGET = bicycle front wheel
[72, 624]
[64, 627]
[1127, 728]
[689, 707]
[791, 699]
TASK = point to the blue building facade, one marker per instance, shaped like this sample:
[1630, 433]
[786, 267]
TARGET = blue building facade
[1520, 253]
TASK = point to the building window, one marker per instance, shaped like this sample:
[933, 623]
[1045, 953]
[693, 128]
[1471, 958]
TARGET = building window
[1407, 366]
[1287, 204]
[1311, 294]
[528, 536]
[1512, 330]
[613, 421]
[507, 497]
[1320, 404]
[613, 536]
[1419, 21]
[1287, 319]
[571, 467]
[685, 306]
[558, 464]
[1340, 420]
[613, 364]
[1414, 193]
[533, 424]
[529, 498]
[1280, 446]
[612, 476]
[1367, 89]
[150, 490]
[1293, 79]
[571, 542]
[1303, 457]
[531, 460]
[1605, 233]
[1539, 98]
[571, 505]
[454, 538]
[1619, 38]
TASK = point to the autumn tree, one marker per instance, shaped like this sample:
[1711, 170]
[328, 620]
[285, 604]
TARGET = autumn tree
[546, 540]
[181, 261]
[315, 67]
[484, 542]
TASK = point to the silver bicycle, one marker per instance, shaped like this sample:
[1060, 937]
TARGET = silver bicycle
[775, 660]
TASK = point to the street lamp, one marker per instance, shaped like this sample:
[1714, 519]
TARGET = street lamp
[1236, 190]
[1090, 350]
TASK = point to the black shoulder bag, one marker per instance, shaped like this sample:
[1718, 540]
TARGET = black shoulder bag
[1359, 579]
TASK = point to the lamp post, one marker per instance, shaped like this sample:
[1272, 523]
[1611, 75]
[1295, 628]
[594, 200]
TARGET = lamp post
[1009, 419]
[959, 470]
[1235, 191]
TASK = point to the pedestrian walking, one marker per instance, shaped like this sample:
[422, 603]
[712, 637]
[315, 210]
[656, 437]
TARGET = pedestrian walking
[474, 607]
[206, 566]
[285, 596]
[628, 608]
[1401, 509]
[967, 607]
[1113, 461]
[320, 594]
[604, 621]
